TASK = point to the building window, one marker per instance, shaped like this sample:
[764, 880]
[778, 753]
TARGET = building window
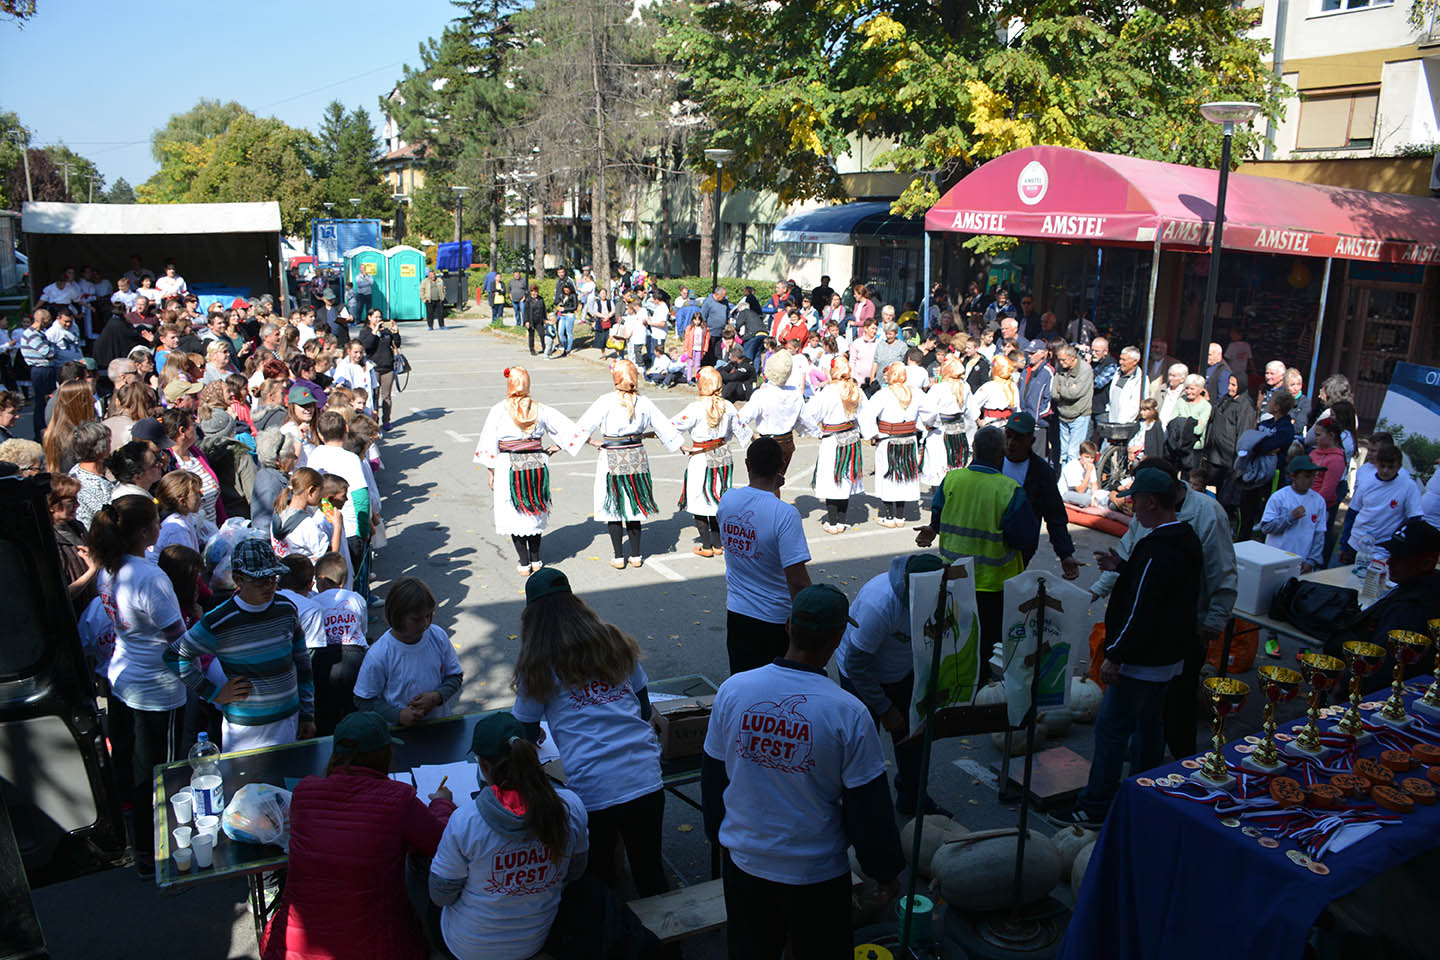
[1335, 6]
[764, 238]
[1338, 119]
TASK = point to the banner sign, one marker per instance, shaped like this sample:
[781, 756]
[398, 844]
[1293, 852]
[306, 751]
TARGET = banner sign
[1067, 634]
[1411, 414]
[959, 677]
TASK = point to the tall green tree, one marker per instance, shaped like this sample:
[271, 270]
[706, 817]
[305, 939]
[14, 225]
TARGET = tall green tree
[13, 137]
[83, 179]
[120, 192]
[346, 155]
[207, 119]
[953, 84]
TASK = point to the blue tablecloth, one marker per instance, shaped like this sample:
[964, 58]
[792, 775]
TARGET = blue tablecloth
[1167, 879]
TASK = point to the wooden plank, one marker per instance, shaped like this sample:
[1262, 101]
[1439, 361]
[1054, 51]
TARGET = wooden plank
[687, 912]
[1055, 777]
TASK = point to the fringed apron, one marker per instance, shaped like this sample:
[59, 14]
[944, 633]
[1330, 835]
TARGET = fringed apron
[902, 460]
[719, 471]
[629, 491]
[529, 476]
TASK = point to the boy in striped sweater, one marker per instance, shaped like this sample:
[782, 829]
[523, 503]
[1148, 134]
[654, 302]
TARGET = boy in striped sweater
[257, 638]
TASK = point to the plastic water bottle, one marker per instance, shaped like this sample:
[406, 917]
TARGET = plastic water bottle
[1364, 546]
[205, 781]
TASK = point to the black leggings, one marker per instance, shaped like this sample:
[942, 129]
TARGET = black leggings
[709, 528]
[334, 669]
[154, 739]
[527, 549]
[895, 509]
[835, 510]
[631, 527]
[639, 824]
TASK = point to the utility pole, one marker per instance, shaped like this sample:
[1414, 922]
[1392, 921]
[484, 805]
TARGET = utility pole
[91, 197]
[25, 159]
[65, 167]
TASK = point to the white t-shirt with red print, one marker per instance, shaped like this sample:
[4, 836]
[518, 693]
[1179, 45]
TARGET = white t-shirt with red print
[609, 752]
[792, 743]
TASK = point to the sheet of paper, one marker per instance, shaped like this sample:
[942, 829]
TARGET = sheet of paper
[461, 783]
[403, 777]
[548, 750]
[659, 697]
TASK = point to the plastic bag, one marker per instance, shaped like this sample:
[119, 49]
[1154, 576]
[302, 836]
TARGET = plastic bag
[258, 813]
[219, 547]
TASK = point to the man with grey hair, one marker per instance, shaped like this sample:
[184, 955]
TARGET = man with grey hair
[1274, 383]
[1217, 374]
[276, 455]
[1127, 388]
[1073, 391]
[1102, 372]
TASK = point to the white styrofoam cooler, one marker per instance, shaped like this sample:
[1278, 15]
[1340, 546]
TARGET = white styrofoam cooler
[1259, 572]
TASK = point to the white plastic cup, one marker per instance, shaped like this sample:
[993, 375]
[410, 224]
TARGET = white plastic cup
[182, 857]
[182, 837]
[202, 845]
[182, 804]
[210, 824]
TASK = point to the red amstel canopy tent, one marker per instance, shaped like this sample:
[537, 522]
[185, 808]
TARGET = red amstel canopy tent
[1059, 194]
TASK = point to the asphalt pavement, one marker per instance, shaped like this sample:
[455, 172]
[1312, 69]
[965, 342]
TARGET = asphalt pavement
[437, 509]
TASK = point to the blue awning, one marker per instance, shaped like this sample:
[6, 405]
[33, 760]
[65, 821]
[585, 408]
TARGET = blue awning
[845, 222]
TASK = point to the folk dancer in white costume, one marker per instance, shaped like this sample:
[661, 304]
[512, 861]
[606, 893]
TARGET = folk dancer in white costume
[890, 420]
[943, 417]
[624, 490]
[774, 408]
[512, 448]
[839, 466]
[712, 422]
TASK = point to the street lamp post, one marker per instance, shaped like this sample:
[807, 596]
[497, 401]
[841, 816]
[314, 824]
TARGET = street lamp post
[459, 206]
[527, 177]
[399, 229]
[1227, 114]
[717, 156]
[355, 206]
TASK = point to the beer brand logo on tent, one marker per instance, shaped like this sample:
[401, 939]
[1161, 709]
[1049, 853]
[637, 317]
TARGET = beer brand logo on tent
[1033, 182]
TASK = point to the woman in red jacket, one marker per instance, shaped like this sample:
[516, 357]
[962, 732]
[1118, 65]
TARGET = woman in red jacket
[349, 830]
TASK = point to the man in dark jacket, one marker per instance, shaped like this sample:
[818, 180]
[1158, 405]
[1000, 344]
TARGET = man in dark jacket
[116, 340]
[1035, 384]
[1148, 622]
[737, 376]
[1102, 371]
[1042, 492]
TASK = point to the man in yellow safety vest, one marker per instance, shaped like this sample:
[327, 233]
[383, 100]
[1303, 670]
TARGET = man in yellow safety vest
[981, 513]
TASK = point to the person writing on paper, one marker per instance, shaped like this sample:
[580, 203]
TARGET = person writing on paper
[877, 665]
[583, 676]
[505, 859]
[412, 671]
[349, 832]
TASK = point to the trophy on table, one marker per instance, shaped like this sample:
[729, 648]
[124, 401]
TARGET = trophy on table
[1365, 658]
[1227, 695]
[1430, 703]
[1279, 685]
[1321, 671]
[1406, 646]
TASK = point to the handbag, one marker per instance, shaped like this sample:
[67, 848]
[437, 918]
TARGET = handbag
[402, 365]
[1314, 608]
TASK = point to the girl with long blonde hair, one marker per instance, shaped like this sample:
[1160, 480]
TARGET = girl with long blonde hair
[942, 414]
[74, 405]
[624, 495]
[514, 451]
[891, 420]
[839, 466]
[997, 399]
[712, 422]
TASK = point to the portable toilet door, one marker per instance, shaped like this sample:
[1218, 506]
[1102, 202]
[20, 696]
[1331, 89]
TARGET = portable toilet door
[373, 262]
[405, 269]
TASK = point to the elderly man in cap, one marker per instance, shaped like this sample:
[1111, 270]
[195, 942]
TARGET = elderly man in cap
[1035, 385]
[877, 665]
[980, 512]
[256, 637]
[1149, 622]
[1042, 492]
[181, 395]
[327, 317]
[793, 775]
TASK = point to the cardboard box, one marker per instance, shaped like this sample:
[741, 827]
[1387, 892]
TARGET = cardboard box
[680, 725]
[1259, 572]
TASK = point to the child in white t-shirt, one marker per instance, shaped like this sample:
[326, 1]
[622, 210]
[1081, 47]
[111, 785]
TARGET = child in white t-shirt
[412, 671]
[1078, 482]
[302, 525]
[1295, 517]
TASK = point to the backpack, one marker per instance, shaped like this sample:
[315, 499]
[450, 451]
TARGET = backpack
[1180, 437]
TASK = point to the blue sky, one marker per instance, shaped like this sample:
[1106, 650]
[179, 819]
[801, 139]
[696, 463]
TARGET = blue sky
[282, 59]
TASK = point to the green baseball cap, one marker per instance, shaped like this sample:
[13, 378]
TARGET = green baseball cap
[545, 582]
[1151, 481]
[1021, 423]
[363, 732]
[822, 608]
[1301, 463]
[494, 733]
[301, 395]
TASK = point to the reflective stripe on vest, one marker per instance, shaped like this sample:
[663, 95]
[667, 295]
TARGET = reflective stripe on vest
[975, 502]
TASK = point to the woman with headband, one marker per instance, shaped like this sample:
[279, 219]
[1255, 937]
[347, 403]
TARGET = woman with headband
[839, 466]
[712, 422]
[512, 449]
[624, 490]
[942, 414]
[890, 419]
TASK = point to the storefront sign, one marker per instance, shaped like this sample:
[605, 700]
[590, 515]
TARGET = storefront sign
[1033, 183]
[1411, 413]
[1063, 226]
[970, 221]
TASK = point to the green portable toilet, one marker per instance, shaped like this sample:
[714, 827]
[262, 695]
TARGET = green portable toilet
[373, 262]
[404, 270]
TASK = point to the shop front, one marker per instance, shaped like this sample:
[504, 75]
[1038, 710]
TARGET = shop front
[1328, 280]
[886, 250]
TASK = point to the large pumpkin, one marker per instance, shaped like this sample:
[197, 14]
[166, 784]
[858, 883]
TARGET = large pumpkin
[1019, 739]
[1085, 697]
[978, 875]
[1057, 722]
[937, 830]
[1078, 868]
[1070, 841]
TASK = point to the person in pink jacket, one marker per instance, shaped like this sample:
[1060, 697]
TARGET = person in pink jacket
[349, 832]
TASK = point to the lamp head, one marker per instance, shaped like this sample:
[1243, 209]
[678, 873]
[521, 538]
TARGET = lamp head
[1229, 112]
[719, 155]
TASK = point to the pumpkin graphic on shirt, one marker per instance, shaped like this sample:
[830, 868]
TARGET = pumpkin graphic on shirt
[597, 693]
[522, 869]
[739, 534]
[776, 736]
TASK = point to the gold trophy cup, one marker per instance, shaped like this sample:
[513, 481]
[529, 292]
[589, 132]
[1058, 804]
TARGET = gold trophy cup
[1430, 703]
[1406, 646]
[1279, 685]
[1365, 658]
[1321, 671]
[1227, 696]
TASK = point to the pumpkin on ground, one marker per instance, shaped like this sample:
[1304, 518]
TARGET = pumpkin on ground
[937, 830]
[977, 875]
[1085, 697]
[1078, 868]
[1070, 841]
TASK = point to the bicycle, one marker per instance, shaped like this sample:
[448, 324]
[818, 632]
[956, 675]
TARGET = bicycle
[1114, 465]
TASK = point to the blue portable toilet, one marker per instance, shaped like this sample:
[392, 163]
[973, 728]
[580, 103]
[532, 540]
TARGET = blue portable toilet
[373, 262]
[405, 268]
